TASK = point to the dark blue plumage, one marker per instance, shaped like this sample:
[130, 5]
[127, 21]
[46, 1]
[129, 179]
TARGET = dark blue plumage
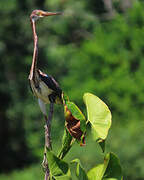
[52, 85]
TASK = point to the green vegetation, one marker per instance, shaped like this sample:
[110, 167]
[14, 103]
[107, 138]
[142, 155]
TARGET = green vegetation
[33, 172]
[84, 54]
[99, 116]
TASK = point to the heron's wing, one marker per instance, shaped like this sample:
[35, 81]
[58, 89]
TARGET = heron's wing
[42, 106]
[51, 83]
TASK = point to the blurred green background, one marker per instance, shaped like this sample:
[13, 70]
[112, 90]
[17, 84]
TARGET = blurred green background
[97, 47]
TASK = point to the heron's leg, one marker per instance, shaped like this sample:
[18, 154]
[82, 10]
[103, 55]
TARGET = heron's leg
[50, 113]
[42, 107]
[47, 120]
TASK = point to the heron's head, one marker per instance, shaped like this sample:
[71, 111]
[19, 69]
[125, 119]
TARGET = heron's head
[36, 14]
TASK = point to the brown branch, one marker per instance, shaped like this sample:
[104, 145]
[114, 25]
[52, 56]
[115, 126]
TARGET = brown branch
[48, 143]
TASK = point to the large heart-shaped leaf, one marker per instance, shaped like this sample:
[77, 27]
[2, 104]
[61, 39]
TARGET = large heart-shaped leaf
[109, 170]
[99, 116]
[58, 168]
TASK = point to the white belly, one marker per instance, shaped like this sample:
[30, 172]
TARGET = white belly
[43, 92]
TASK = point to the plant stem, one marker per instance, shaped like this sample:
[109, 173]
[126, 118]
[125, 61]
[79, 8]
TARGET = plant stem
[48, 143]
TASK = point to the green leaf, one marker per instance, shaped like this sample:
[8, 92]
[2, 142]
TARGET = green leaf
[99, 116]
[58, 168]
[102, 145]
[63, 178]
[66, 144]
[65, 98]
[76, 112]
[109, 170]
[109, 179]
[80, 172]
[113, 169]
[75, 122]
[96, 173]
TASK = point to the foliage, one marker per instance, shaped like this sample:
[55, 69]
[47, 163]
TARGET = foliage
[33, 172]
[66, 144]
[111, 167]
[111, 65]
[99, 116]
[58, 168]
[85, 55]
[75, 121]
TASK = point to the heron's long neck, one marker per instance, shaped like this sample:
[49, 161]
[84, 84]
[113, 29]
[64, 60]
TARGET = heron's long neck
[35, 52]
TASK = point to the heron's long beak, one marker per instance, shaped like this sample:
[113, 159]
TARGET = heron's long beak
[50, 13]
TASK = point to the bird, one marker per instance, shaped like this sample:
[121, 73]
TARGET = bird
[43, 86]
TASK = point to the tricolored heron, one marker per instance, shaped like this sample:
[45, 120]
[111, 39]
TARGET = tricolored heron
[43, 86]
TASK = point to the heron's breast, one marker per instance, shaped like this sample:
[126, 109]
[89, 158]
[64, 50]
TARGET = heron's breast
[42, 91]
[45, 91]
